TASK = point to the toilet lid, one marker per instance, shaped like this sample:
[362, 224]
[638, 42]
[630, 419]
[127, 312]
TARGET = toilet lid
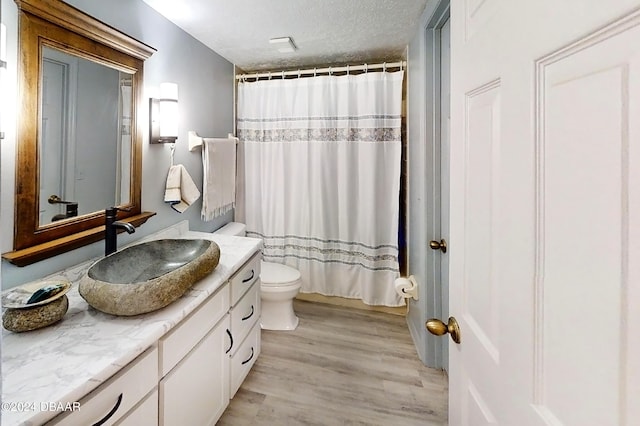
[278, 274]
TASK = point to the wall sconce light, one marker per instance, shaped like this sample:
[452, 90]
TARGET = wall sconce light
[163, 115]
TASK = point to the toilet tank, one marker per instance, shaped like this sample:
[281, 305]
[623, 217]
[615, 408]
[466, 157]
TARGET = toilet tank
[233, 228]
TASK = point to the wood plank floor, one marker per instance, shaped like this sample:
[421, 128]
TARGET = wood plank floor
[341, 366]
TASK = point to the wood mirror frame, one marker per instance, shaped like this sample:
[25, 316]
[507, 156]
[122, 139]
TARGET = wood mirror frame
[56, 24]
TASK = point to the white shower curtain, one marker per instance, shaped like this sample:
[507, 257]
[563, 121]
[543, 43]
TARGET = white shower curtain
[322, 178]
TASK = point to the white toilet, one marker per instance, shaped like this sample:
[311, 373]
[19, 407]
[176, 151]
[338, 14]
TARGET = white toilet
[279, 284]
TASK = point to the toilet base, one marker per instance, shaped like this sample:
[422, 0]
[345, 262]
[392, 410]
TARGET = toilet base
[278, 315]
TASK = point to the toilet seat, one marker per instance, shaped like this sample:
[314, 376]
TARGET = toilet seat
[278, 275]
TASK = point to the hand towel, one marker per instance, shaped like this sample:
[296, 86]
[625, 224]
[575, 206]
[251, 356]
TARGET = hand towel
[180, 191]
[219, 176]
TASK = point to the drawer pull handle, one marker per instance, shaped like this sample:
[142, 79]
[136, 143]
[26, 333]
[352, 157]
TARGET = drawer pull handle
[250, 358]
[110, 413]
[248, 316]
[250, 278]
[231, 338]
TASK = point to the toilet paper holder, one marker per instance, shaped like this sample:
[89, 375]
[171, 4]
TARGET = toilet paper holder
[407, 287]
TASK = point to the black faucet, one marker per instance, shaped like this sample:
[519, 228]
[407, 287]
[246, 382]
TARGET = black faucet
[110, 225]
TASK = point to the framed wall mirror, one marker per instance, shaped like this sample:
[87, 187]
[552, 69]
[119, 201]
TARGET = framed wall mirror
[84, 139]
[79, 133]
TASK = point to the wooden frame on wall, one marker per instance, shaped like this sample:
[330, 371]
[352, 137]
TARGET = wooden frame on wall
[56, 24]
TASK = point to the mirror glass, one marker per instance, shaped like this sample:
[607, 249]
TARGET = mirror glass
[84, 136]
[79, 129]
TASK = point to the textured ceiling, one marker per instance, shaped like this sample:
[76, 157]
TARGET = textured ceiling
[326, 32]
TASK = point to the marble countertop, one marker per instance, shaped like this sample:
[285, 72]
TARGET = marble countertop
[44, 369]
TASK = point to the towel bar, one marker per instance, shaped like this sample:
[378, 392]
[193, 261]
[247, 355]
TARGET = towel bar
[195, 141]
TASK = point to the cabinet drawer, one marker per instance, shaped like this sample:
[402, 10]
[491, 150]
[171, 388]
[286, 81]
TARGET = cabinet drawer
[244, 358]
[244, 315]
[244, 278]
[117, 395]
[175, 345]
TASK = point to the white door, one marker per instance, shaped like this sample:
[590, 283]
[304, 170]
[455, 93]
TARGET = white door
[52, 138]
[544, 244]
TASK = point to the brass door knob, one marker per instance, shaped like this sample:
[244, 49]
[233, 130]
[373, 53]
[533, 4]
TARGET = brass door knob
[437, 327]
[435, 245]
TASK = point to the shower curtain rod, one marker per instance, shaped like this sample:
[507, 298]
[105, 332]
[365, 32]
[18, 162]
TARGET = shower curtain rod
[327, 70]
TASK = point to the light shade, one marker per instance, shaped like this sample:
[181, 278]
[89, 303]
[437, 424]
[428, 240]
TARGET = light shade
[163, 115]
[168, 91]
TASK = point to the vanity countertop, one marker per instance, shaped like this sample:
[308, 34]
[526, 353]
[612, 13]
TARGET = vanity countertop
[45, 369]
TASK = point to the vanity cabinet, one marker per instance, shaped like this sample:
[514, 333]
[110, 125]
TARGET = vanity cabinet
[131, 389]
[205, 359]
[245, 325]
[191, 373]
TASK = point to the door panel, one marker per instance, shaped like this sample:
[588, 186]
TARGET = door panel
[545, 212]
[476, 410]
[476, 15]
[584, 111]
[477, 299]
[482, 147]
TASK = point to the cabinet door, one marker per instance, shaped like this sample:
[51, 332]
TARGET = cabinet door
[145, 414]
[196, 391]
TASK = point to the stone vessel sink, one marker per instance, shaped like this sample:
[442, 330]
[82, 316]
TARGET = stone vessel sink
[147, 276]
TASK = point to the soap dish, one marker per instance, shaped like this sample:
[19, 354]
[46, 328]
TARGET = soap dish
[35, 305]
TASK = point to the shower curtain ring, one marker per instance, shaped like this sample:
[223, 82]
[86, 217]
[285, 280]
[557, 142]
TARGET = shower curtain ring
[330, 72]
[347, 69]
[384, 67]
[299, 72]
[366, 68]
[283, 74]
[269, 75]
[314, 72]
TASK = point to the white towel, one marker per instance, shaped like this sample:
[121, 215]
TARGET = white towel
[219, 176]
[180, 191]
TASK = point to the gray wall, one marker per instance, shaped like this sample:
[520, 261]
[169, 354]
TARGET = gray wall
[205, 82]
